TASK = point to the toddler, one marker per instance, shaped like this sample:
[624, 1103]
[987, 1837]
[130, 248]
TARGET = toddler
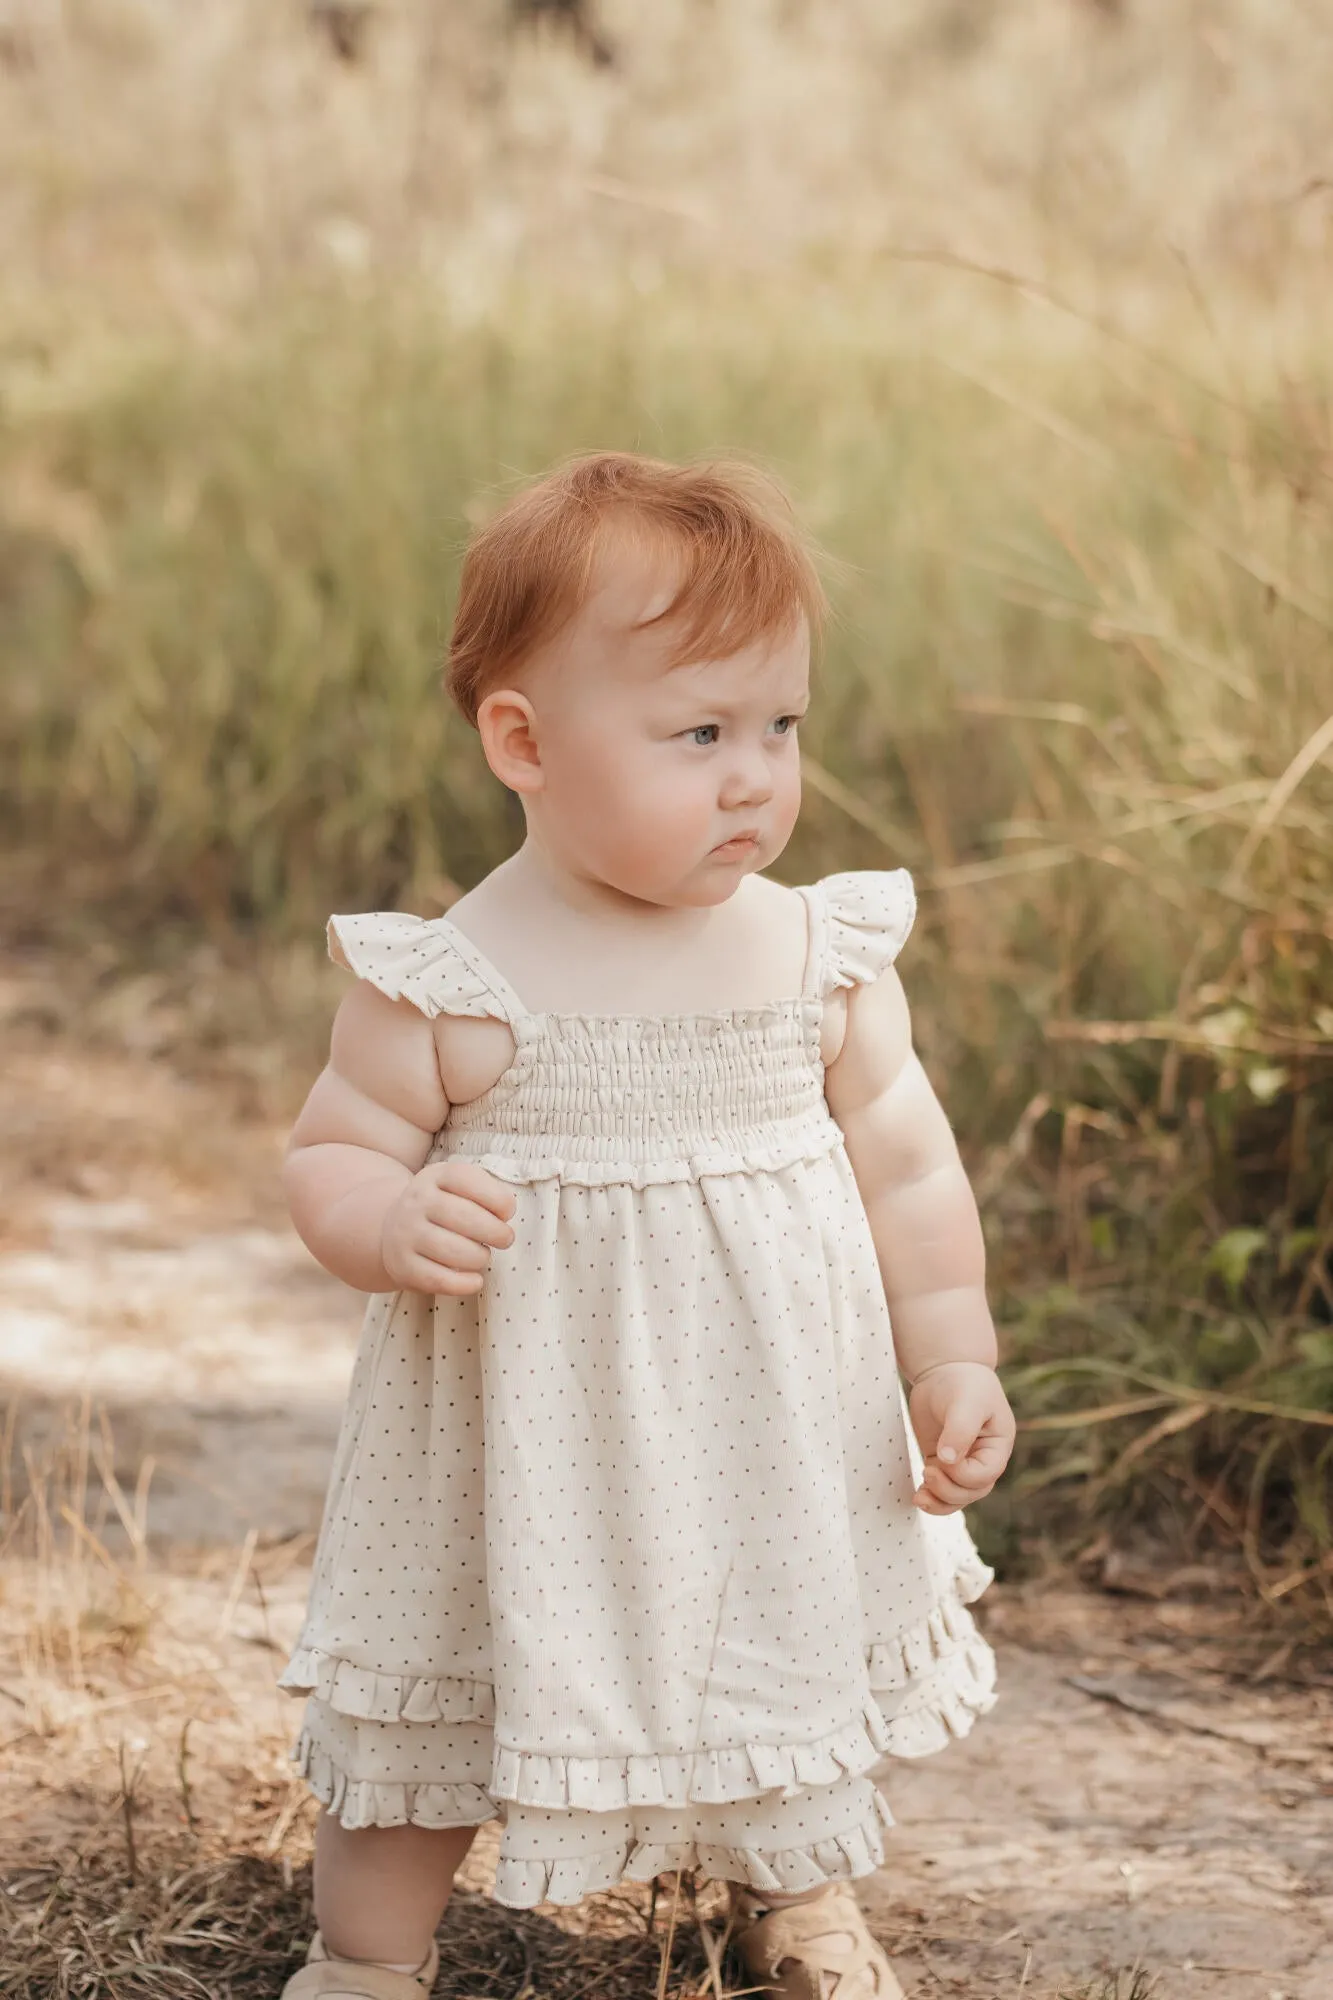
[628, 1543]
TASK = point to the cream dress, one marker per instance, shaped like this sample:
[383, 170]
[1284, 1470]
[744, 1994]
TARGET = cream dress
[622, 1550]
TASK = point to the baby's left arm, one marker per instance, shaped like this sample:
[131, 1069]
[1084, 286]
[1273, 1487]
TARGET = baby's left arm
[927, 1234]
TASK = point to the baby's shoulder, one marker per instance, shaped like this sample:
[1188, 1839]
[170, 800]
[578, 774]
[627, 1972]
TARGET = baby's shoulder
[761, 900]
[432, 964]
[762, 938]
[830, 934]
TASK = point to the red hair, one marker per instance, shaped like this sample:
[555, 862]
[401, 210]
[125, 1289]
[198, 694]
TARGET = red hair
[746, 570]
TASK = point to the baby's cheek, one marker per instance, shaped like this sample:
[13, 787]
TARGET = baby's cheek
[787, 800]
[633, 816]
[659, 836]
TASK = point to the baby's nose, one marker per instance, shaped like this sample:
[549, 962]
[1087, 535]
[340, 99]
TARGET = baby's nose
[749, 782]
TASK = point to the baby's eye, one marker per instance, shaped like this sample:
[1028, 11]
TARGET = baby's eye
[785, 724]
[704, 733]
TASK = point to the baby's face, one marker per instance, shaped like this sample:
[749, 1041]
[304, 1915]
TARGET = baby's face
[667, 783]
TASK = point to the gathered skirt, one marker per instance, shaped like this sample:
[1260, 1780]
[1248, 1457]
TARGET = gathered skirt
[650, 1604]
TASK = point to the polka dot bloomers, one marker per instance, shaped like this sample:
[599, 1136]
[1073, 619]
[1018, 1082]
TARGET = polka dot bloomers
[622, 1551]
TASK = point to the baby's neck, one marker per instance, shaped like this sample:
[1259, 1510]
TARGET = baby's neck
[564, 947]
[534, 875]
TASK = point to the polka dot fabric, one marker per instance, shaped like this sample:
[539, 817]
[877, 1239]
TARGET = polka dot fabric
[622, 1552]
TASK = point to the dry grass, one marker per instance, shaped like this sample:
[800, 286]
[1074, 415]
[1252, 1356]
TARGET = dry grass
[1068, 136]
[225, 1929]
[155, 1843]
[229, 1928]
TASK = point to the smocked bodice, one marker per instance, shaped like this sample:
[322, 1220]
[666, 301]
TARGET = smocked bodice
[628, 1097]
[601, 1098]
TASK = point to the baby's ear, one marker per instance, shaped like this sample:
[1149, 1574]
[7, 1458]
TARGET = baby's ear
[507, 725]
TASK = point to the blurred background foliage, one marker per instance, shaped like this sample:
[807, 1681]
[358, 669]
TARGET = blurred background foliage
[1025, 303]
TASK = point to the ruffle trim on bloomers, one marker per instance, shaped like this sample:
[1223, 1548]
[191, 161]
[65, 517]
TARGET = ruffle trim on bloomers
[522, 1882]
[838, 1857]
[359, 1802]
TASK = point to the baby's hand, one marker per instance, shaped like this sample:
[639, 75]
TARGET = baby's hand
[965, 1428]
[439, 1233]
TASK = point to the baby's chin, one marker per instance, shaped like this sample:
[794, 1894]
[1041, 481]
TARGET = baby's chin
[715, 880]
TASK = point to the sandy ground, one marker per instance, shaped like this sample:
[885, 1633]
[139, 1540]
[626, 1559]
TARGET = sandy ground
[1129, 1803]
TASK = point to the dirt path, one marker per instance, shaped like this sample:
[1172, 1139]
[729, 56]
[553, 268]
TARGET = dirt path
[1126, 1805]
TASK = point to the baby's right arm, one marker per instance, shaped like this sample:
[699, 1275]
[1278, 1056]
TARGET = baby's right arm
[360, 1194]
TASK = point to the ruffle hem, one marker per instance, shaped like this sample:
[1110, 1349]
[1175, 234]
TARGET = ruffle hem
[927, 1688]
[375, 1697]
[521, 1882]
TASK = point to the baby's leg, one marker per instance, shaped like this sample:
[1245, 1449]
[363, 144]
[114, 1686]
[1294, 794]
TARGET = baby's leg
[381, 1891]
[775, 1900]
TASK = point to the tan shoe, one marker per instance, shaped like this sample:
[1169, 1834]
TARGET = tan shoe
[820, 1950]
[323, 1977]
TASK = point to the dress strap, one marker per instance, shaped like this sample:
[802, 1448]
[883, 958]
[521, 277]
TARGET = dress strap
[859, 922]
[494, 981]
[427, 961]
[816, 946]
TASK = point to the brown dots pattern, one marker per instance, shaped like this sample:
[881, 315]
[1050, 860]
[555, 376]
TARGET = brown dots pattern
[622, 1551]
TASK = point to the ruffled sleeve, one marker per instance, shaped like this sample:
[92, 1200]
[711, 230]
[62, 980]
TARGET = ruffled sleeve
[411, 958]
[868, 914]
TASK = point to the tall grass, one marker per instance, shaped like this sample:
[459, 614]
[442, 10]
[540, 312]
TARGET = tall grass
[1080, 682]
[178, 161]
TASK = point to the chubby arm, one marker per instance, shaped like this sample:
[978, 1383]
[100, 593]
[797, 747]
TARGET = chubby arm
[922, 1212]
[927, 1235]
[360, 1194]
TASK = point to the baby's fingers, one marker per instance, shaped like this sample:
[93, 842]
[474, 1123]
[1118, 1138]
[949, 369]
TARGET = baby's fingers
[944, 1487]
[986, 1460]
[958, 1486]
[472, 1183]
[964, 1425]
[940, 1496]
[447, 1247]
[466, 1218]
[416, 1273]
[978, 1472]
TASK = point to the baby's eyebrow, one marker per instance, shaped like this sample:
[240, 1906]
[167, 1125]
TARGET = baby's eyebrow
[691, 698]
